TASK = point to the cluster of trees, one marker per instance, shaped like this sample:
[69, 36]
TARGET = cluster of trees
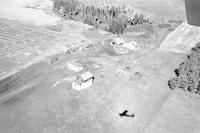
[66, 7]
[114, 19]
[117, 25]
[188, 73]
[139, 19]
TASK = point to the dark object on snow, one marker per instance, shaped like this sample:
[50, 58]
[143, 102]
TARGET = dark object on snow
[124, 114]
[68, 52]
[193, 12]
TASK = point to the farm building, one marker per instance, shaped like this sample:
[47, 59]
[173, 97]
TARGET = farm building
[76, 67]
[83, 81]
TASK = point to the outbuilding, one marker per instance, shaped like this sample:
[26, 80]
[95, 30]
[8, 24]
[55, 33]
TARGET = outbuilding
[76, 67]
[83, 81]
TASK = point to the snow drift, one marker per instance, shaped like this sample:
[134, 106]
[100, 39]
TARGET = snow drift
[182, 39]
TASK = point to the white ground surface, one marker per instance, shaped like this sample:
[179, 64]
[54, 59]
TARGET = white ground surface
[23, 10]
[182, 39]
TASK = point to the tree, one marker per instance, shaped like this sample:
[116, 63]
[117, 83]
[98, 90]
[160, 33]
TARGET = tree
[116, 26]
[141, 19]
[188, 73]
[88, 20]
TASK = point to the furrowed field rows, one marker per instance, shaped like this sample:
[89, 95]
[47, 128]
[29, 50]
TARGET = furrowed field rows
[22, 44]
[16, 38]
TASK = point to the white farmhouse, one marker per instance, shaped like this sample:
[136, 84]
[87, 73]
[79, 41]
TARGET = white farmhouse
[83, 81]
[73, 66]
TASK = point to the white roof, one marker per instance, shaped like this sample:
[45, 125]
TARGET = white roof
[74, 66]
[74, 63]
[119, 40]
[87, 75]
[131, 45]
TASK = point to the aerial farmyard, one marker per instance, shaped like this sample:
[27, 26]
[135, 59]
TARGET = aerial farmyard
[90, 66]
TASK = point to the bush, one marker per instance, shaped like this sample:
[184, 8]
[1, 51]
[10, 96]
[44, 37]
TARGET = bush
[188, 73]
[89, 21]
[117, 26]
[139, 19]
[113, 18]
[57, 5]
[69, 7]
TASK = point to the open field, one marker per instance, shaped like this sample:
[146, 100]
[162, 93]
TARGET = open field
[23, 10]
[182, 39]
[24, 44]
[41, 103]
[58, 108]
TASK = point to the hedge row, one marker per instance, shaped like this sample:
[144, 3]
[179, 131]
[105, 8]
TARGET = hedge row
[113, 19]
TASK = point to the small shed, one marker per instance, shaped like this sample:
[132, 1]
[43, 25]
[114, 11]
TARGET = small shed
[76, 67]
[83, 81]
[117, 41]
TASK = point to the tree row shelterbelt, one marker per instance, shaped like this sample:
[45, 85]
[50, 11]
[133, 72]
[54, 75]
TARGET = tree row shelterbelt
[110, 18]
[188, 73]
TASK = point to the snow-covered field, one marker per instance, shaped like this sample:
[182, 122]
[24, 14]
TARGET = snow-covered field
[182, 39]
[34, 11]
